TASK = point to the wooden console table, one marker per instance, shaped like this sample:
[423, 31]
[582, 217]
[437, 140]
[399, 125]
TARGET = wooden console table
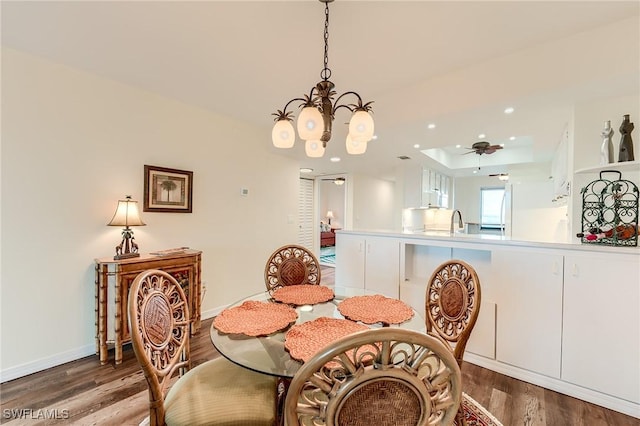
[113, 279]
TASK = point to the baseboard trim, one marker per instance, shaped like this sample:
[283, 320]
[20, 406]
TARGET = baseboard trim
[620, 405]
[25, 369]
[212, 312]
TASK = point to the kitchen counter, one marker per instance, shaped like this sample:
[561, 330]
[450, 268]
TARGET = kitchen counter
[489, 239]
[546, 307]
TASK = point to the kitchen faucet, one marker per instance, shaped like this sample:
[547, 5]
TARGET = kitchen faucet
[460, 222]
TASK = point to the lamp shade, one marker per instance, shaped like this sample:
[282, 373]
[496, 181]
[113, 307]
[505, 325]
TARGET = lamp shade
[283, 135]
[361, 126]
[355, 147]
[127, 214]
[330, 214]
[310, 124]
[314, 148]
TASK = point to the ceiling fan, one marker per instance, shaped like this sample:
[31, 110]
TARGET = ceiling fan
[502, 176]
[483, 148]
[338, 181]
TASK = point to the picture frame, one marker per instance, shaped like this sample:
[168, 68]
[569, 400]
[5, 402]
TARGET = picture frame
[167, 190]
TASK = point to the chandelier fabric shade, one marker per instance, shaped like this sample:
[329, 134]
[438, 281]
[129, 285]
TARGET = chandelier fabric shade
[318, 111]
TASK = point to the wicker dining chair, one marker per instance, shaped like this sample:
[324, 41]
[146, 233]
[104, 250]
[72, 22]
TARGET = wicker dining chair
[216, 392]
[291, 265]
[377, 377]
[452, 304]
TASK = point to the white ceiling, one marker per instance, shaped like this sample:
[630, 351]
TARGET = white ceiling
[454, 63]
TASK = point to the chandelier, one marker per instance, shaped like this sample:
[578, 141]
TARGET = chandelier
[318, 112]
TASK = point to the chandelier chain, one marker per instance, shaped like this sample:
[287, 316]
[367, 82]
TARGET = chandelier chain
[326, 72]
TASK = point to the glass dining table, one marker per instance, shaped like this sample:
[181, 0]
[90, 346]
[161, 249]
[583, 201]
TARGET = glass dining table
[267, 354]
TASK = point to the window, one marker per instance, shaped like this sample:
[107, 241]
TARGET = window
[491, 204]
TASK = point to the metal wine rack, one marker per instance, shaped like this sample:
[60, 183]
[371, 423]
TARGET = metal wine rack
[610, 211]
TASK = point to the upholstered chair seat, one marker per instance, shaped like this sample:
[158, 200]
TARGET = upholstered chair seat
[221, 390]
[216, 392]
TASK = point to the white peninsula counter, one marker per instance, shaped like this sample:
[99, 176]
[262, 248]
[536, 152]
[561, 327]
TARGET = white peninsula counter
[559, 315]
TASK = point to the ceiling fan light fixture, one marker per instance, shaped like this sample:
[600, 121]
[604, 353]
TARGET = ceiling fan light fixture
[339, 181]
[316, 118]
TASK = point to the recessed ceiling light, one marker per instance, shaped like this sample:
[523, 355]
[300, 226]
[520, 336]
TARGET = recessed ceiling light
[335, 159]
[508, 110]
[306, 170]
[502, 145]
[458, 146]
[417, 145]
[431, 126]
[374, 137]
[482, 136]
[512, 138]
[475, 171]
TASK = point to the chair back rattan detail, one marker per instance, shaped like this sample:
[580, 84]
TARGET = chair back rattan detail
[291, 265]
[159, 324]
[452, 304]
[403, 378]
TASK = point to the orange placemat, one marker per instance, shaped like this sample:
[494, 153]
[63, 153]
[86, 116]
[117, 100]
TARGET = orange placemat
[375, 308]
[254, 318]
[304, 340]
[304, 294]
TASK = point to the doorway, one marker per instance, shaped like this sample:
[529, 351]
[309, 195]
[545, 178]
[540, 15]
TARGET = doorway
[332, 212]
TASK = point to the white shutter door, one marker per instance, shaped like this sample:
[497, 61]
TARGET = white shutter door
[305, 214]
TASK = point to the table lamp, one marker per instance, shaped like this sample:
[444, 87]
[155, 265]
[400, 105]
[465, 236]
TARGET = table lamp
[127, 214]
[329, 216]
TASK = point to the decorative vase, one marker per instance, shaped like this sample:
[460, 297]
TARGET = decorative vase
[606, 150]
[625, 152]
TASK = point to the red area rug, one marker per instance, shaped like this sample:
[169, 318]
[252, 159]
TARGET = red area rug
[475, 414]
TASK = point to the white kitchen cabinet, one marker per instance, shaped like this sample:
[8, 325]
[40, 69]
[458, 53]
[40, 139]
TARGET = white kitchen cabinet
[371, 262]
[529, 309]
[601, 324]
[424, 187]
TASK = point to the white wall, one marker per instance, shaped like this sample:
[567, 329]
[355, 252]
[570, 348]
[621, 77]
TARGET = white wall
[534, 216]
[589, 121]
[373, 203]
[72, 145]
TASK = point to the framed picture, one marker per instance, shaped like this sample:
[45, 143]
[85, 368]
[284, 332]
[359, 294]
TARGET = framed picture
[167, 190]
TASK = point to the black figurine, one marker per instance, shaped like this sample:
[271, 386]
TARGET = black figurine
[626, 144]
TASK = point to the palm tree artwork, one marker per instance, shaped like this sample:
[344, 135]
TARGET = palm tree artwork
[168, 185]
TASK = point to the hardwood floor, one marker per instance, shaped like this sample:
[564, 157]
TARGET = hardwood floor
[83, 392]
